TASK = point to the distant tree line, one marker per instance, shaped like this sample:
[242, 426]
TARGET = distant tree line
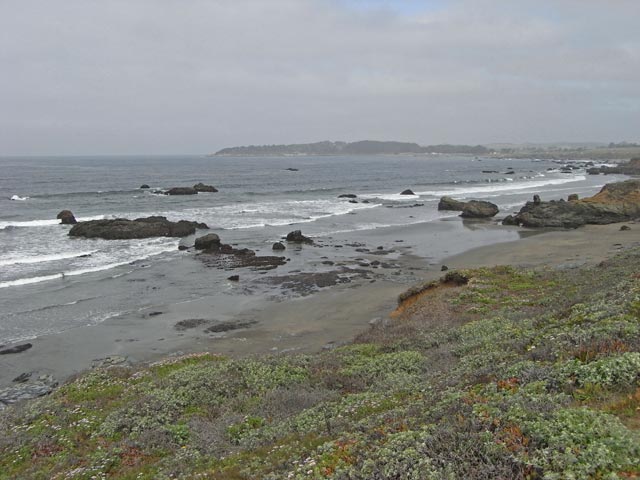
[365, 147]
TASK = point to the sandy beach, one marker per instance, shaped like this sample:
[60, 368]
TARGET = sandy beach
[324, 319]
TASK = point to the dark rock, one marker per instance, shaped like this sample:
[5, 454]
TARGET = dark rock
[123, 229]
[144, 186]
[444, 268]
[189, 324]
[616, 202]
[479, 209]
[297, 237]
[23, 377]
[573, 197]
[155, 314]
[16, 349]
[210, 241]
[490, 171]
[278, 246]
[234, 278]
[511, 172]
[347, 195]
[182, 191]
[182, 248]
[201, 187]
[536, 200]
[228, 326]
[407, 192]
[291, 169]
[66, 218]
[510, 220]
[448, 203]
[366, 201]
[353, 201]
[625, 228]
[328, 262]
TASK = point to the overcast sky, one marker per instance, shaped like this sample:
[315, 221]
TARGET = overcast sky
[193, 76]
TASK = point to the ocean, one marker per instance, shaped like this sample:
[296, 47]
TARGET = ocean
[50, 282]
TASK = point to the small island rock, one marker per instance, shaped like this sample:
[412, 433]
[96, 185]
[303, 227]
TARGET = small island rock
[407, 192]
[66, 217]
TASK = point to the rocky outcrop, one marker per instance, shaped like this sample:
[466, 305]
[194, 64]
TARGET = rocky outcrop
[278, 246]
[348, 195]
[201, 187]
[408, 191]
[182, 191]
[228, 258]
[632, 167]
[210, 241]
[573, 197]
[451, 204]
[66, 218]
[124, 229]
[616, 202]
[479, 209]
[144, 186]
[297, 237]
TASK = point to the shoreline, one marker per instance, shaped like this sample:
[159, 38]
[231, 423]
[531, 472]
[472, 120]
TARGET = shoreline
[306, 324]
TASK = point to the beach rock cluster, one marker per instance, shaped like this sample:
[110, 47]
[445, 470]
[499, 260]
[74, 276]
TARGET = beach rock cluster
[632, 167]
[616, 202]
[220, 255]
[470, 209]
[125, 229]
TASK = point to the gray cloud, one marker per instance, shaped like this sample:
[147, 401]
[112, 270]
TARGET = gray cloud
[167, 76]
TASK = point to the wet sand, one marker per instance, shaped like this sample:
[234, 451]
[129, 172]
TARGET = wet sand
[285, 323]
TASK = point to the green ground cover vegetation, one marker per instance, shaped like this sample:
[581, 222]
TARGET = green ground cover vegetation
[519, 374]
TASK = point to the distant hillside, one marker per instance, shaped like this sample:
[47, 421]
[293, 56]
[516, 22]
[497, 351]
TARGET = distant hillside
[365, 147]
